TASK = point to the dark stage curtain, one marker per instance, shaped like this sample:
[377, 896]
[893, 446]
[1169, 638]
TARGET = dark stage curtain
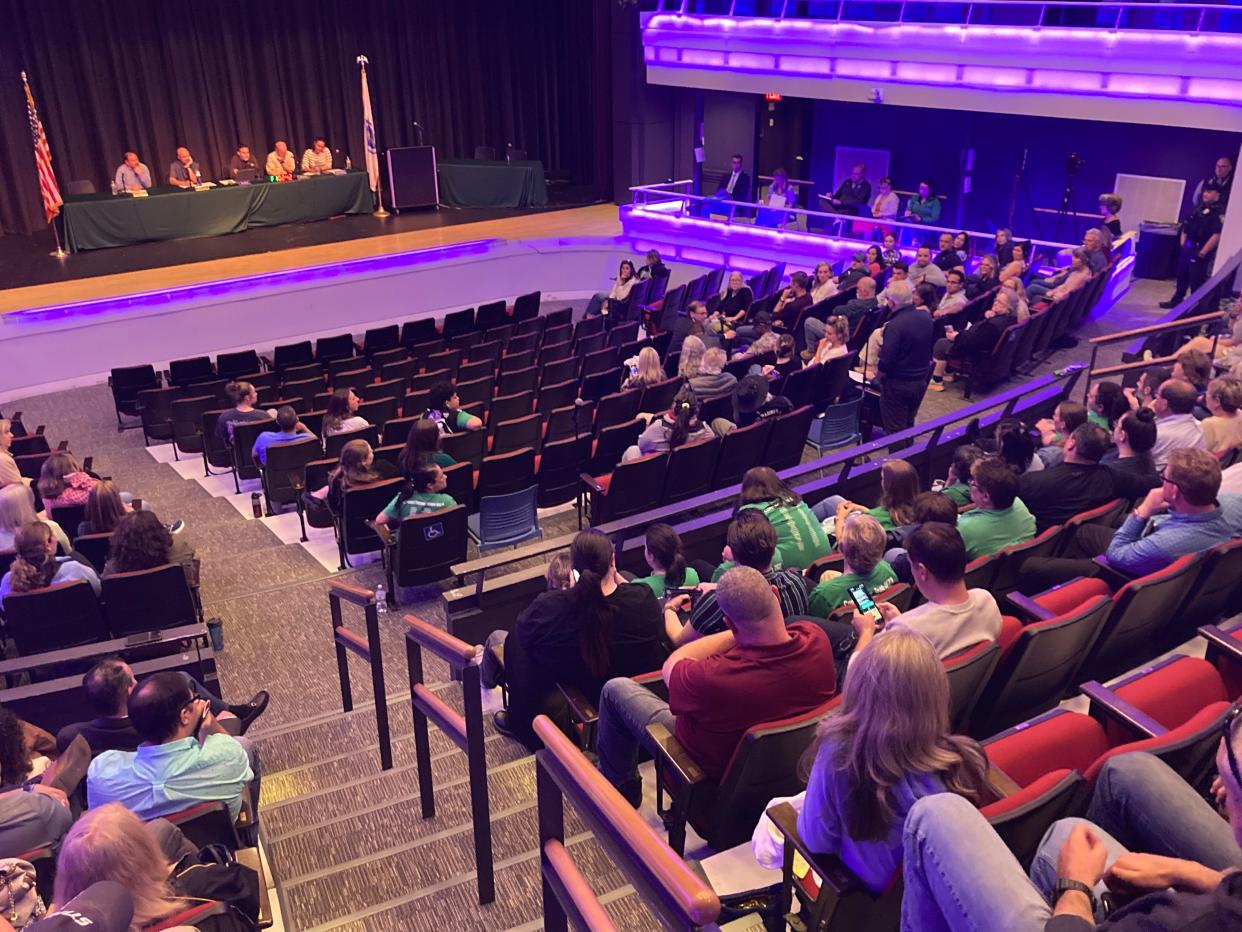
[151, 76]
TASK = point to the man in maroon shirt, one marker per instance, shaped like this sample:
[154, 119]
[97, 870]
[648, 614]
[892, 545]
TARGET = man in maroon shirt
[760, 670]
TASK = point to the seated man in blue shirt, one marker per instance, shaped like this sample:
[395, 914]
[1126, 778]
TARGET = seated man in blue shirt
[132, 175]
[290, 429]
[186, 756]
[1182, 516]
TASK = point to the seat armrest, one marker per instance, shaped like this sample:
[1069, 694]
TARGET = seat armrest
[1105, 704]
[670, 752]
[1111, 575]
[832, 871]
[581, 709]
[1028, 607]
[590, 483]
[383, 532]
[1000, 783]
[1218, 642]
[249, 857]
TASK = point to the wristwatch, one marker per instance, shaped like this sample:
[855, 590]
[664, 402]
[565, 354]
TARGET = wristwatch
[1064, 885]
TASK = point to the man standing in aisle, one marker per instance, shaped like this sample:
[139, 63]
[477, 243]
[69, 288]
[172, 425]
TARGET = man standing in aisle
[132, 175]
[905, 360]
[1200, 237]
[318, 158]
[184, 173]
[280, 162]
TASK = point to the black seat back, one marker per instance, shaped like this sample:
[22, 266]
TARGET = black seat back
[148, 600]
[64, 615]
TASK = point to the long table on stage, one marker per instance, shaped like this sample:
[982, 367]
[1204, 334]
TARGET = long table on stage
[478, 183]
[95, 221]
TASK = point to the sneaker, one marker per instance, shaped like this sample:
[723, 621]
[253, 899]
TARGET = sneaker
[176, 527]
[935, 386]
[251, 710]
[949, 377]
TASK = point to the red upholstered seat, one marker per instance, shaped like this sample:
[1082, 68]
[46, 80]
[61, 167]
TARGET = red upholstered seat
[1058, 740]
[1011, 628]
[1026, 795]
[1207, 719]
[604, 482]
[1068, 597]
[1174, 692]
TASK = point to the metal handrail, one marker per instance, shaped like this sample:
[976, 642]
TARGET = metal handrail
[368, 649]
[1208, 20]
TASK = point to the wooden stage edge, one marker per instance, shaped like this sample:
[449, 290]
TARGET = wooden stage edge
[597, 220]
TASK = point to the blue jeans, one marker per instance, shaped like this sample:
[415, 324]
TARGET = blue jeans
[828, 507]
[595, 306]
[813, 331]
[626, 708]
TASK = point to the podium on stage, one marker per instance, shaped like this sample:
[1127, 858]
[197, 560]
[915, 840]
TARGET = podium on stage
[412, 180]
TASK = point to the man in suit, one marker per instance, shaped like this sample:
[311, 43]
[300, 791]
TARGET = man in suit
[184, 173]
[734, 186]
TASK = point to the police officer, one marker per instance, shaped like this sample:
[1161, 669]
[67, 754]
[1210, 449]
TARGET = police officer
[1200, 236]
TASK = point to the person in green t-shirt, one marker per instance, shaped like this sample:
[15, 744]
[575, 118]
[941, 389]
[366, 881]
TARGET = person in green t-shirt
[799, 535]
[667, 561]
[1000, 518]
[899, 485]
[957, 485]
[862, 546]
[428, 483]
[443, 409]
[422, 444]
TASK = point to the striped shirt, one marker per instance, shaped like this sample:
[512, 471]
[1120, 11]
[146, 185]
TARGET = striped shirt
[708, 617]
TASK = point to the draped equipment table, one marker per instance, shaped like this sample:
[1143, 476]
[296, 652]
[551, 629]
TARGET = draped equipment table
[476, 183]
[96, 221]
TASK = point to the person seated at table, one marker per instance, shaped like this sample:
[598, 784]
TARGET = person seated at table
[318, 158]
[36, 565]
[735, 186]
[184, 173]
[342, 415]
[132, 175]
[922, 207]
[280, 162]
[242, 160]
[781, 194]
[444, 410]
[289, 428]
[603, 302]
[853, 194]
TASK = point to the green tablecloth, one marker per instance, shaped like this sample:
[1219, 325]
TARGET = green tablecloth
[94, 221]
[470, 183]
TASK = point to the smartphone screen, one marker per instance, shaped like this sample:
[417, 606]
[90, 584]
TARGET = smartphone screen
[864, 603]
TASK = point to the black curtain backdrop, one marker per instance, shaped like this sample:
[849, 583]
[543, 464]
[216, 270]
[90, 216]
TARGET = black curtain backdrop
[152, 76]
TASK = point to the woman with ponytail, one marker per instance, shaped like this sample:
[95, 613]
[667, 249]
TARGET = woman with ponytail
[601, 627]
[667, 561]
[1131, 463]
[37, 566]
[680, 424]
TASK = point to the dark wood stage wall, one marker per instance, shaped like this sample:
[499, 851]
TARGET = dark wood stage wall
[152, 76]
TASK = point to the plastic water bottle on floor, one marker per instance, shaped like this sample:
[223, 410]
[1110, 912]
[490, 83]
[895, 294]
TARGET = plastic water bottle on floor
[381, 599]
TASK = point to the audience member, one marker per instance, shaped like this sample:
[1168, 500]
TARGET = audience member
[922, 207]
[736, 301]
[104, 509]
[107, 687]
[1130, 460]
[853, 194]
[954, 298]
[973, 344]
[750, 541]
[1143, 394]
[63, 482]
[711, 381]
[886, 204]
[862, 548]
[1063, 283]
[758, 658]
[793, 301]
[1110, 207]
[856, 270]
[899, 485]
[751, 403]
[33, 815]
[1077, 484]
[663, 553]
[1015, 443]
[25, 750]
[903, 361]
[1223, 429]
[734, 186]
[342, 415]
[887, 745]
[952, 617]
[678, 425]
[1095, 243]
[17, 510]
[999, 517]
[799, 534]
[787, 359]
[1017, 298]
[617, 297]
[425, 493]
[1003, 251]
[602, 627]
[763, 339]
[186, 756]
[957, 483]
[1015, 267]
[899, 274]
[823, 286]
[928, 507]
[645, 370]
[924, 270]
[691, 357]
[243, 398]
[1176, 426]
[781, 194]
[1066, 418]
[1106, 402]
[1195, 367]
[961, 243]
[890, 254]
[289, 430]
[947, 257]
[422, 446]
[558, 577]
[36, 565]
[141, 542]
[10, 472]
[444, 410]
[863, 302]
[835, 342]
[985, 278]
[356, 467]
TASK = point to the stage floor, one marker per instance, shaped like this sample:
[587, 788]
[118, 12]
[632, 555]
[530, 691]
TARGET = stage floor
[34, 279]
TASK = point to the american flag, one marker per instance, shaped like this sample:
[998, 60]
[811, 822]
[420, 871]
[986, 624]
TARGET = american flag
[43, 158]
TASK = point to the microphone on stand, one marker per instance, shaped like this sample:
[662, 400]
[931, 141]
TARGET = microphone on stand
[419, 126]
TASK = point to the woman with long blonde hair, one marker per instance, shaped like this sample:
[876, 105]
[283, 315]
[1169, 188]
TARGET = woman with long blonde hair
[692, 350]
[16, 510]
[887, 746]
[648, 370]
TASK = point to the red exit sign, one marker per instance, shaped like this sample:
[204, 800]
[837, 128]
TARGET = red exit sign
[771, 97]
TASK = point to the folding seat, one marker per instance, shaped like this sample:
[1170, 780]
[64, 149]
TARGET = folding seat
[502, 333]
[462, 342]
[427, 546]
[357, 379]
[1109, 515]
[148, 600]
[518, 380]
[493, 314]
[799, 386]
[1039, 665]
[617, 408]
[596, 386]
[31, 465]
[559, 466]
[310, 371]
[154, 406]
[600, 361]
[587, 327]
[787, 438]
[531, 327]
[321, 399]
[740, 450]
[215, 453]
[502, 473]
[126, 383]
[612, 442]
[445, 360]
[304, 388]
[28, 444]
[584, 346]
[553, 395]
[92, 546]
[390, 455]
[342, 364]
[478, 390]
[1224, 651]
[509, 407]
[422, 330]
[284, 471]
[621, 334]
[690, 468]
[555, 371]
[969, 670]
[518, 433]
[63, 615]
[526, 306]
[186, 415]
[402, 369]
[216, 389]
[1217, 591]
[414, 404]
[626, 489]
[381, 340]
[244, 435]
[490, 350]
[1007, 574]
[560, 317]
[340, 346]
[460, 483]
[1140, 623]
[183, 372]
[389, 388]
[458, 322]
[424, 380]
[334, 443]
[465, 446]
[717, 408]
[554, 335]
[378, 411]
[233, 365]
[292, 354]
[68, 516]
[658, 398]
[572, 420]
[724, 812]
[313, 420]
[505, 520]
[837, 427]
[522, 343]
[359, 506]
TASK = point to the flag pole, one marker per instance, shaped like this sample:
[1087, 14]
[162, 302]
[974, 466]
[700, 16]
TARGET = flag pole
[60, 252]
[369, 141]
